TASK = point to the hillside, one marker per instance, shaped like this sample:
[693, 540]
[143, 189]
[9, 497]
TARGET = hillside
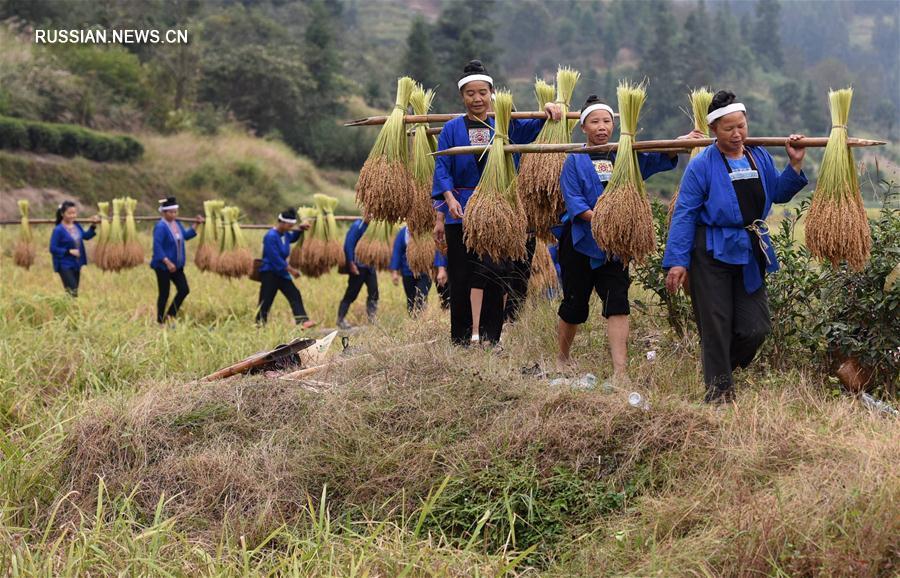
[259, 176]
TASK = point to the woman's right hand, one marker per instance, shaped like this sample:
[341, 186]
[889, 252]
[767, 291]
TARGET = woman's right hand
[453, 206]
[170, 266]
[439, 232]
[442, 276]
[676, 279]
[75, 253]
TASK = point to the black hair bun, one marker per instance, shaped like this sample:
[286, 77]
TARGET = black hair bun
[475, 67]
[592, 100]
[721, 99]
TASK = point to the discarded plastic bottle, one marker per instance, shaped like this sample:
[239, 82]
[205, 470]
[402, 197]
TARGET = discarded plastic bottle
[560, 381]
[587, 381]
[878, 405]
[637, 400]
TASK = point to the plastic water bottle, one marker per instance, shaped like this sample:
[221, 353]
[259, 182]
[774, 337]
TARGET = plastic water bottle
[878, 405]
[637, 400]
[587, 381]
[560, 381]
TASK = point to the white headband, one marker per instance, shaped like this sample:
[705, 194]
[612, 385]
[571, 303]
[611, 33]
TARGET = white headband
[473, 77]
[592, 108]
[168, 208]
[720, 112]
[283, 220]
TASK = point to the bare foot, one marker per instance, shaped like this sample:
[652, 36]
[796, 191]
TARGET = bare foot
[566, 366]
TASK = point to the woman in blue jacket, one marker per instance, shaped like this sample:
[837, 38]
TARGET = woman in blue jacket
[358, 275]
[275, 273]
[455, 178]
[168, 260]
[415, 287]
[585, 267]
[718, 240]
[67, 246]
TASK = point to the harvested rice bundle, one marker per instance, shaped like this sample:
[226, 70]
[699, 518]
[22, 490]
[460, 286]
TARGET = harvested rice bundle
[102, 236]
[304, 213]
[538, 182]
[543, 272]
[376, 245]
[133, 252]
[420, 251]
[323, 249]
[23, 253]
[701, 98]
[837, 228]
[623, 221]
[235, 259]
[385, 185]
[495, 222]
[114, 254]
[207, 248]
[420, 217]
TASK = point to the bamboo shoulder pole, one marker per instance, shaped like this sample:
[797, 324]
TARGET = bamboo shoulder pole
[445, 117]
[186, 220]
[654, 145]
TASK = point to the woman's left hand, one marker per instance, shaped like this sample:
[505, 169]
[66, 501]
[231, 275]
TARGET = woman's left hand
[795, 154]
[693, 134]
[553, 110]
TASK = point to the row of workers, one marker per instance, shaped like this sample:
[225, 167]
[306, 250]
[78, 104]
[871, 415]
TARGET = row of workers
[276, 275]
[718, 246]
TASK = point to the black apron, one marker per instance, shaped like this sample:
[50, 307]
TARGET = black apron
[751, 197]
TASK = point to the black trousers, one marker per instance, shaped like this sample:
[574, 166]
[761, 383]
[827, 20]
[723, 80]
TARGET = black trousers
[271, 283]
[367, 277]
[70, 280]
[444, 293]
[732, 323]
[461, 266]
[416, 289]
[517, 282]
[163, 279]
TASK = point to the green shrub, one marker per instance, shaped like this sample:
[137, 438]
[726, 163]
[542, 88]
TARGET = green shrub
[45, 138]
[13, 134]
[66, 140]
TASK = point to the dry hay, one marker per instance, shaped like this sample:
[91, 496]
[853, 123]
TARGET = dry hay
[700, 101]
[420, 216]
[420, 250]
[495, 223]
[385, 184]
[837, 227]
[622, 223]
[538, 182]
[23, 251]
[543, 272]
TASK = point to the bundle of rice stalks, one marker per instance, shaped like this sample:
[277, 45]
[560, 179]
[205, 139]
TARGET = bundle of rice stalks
[701, 98]
[235, 258]
[102, 236]
[385, 185]
[837, 228]
[420, 217]
[539, 173]
[207, 243]
[323, 250]
[495, 222]
[420, 251]
[623, 221]
[114, 253]
[133, 252]
[376, 245]
[543, 272]
[23, 253]
[304, 214]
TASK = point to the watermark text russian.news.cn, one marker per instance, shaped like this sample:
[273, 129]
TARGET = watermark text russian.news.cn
[114, 36]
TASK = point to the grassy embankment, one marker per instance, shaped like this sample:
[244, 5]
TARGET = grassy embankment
[431, 461]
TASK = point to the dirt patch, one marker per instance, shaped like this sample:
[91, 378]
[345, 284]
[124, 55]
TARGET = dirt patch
[43, 202]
